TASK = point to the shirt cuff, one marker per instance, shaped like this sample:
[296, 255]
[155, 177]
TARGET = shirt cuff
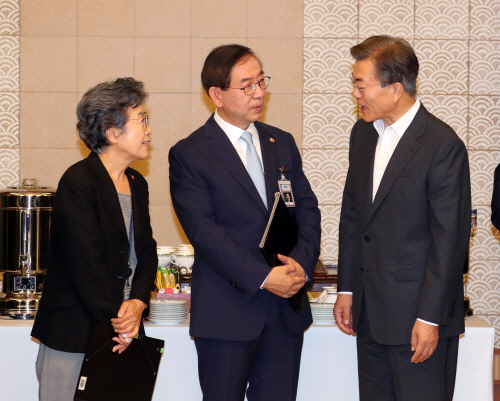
[425, 321]
[344, 292]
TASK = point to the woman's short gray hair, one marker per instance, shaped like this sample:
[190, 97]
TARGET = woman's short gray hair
[105, 106]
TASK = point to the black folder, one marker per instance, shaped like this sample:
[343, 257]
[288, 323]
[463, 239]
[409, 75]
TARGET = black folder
[129, 376]
[280, 237]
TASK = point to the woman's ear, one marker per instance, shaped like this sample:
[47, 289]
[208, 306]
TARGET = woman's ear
[112, 135]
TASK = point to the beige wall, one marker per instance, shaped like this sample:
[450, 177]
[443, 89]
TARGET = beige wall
[51, 51]
[67, 46]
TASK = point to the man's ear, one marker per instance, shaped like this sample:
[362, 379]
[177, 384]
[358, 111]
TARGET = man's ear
[216, 96]
[398, 90]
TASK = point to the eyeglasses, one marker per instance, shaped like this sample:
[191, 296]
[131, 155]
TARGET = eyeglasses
[144, 120]
[361, 88]
[251, 87]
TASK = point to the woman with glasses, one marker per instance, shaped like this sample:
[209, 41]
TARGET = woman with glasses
[103, 255]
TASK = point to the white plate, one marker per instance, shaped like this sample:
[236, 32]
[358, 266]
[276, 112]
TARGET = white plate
[167, 317]
[165, 321]
[176, 319]
[168, 301]
[168, 309]
[169, 312]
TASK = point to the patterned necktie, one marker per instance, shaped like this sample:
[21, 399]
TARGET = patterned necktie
[254, 166]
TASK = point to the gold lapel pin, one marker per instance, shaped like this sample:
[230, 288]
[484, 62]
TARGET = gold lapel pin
[271, 139]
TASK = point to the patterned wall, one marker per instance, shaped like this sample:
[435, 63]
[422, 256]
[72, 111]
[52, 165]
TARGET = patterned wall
[458, 45]
[9, 93]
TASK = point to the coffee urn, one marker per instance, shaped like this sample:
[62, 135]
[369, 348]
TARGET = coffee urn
[24, 246]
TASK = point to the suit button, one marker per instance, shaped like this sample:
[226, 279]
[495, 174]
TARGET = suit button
[361, 269]
[367, 238]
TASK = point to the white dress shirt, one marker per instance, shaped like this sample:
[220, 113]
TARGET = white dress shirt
[234, 134]
[388, 139]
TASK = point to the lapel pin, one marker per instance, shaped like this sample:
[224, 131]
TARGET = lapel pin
[271, 139]
[132, 177]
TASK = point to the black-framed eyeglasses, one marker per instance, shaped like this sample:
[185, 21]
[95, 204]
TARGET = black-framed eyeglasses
[141, 120]
[251, 87]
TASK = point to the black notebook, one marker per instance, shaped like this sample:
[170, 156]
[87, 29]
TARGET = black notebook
[280, 237]
[129, 376]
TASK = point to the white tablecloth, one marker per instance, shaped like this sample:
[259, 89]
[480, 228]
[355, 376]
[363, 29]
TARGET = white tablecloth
[328, 369]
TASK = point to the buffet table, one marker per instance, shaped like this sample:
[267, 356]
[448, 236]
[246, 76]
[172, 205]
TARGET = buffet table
[328, 369]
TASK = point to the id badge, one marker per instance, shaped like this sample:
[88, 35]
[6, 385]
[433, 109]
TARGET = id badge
[286, 190]
[126, 292]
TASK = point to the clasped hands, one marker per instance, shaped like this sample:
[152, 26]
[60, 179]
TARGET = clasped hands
[127, 323]
[287, 279]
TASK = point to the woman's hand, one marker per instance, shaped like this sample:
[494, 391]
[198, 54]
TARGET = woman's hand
[127, 323]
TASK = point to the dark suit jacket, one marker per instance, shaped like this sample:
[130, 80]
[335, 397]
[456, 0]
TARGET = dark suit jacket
[89, 255]
[406, 250]
[224, 218]
[495, 199]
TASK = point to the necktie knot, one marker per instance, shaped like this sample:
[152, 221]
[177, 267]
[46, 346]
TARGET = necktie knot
[247, 138]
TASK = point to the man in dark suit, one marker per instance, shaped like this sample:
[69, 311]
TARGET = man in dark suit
[222, 180]
[404, 233]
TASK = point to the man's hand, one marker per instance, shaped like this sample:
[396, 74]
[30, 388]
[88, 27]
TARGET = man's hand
[285, 280]
[343, 313]
[424, 340]
[298, 272]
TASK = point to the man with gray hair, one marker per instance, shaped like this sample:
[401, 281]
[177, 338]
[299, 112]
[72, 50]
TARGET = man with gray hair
[404, 232]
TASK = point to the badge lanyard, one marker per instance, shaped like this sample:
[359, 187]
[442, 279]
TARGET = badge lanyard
[286, 189]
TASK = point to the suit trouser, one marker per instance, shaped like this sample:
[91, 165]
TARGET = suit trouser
[269, 365]
[386, 372]
[58, 373]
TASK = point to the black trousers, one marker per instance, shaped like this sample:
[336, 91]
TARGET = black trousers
[386, 372]
[266, 368]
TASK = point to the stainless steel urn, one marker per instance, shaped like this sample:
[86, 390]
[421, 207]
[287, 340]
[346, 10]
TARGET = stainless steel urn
[24, 246]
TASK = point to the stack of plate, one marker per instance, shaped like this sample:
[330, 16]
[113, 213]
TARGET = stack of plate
[322, 313]
[168, 311]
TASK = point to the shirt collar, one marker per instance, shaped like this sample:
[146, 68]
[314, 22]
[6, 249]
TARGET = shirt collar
[402, 124]
[233, 132]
